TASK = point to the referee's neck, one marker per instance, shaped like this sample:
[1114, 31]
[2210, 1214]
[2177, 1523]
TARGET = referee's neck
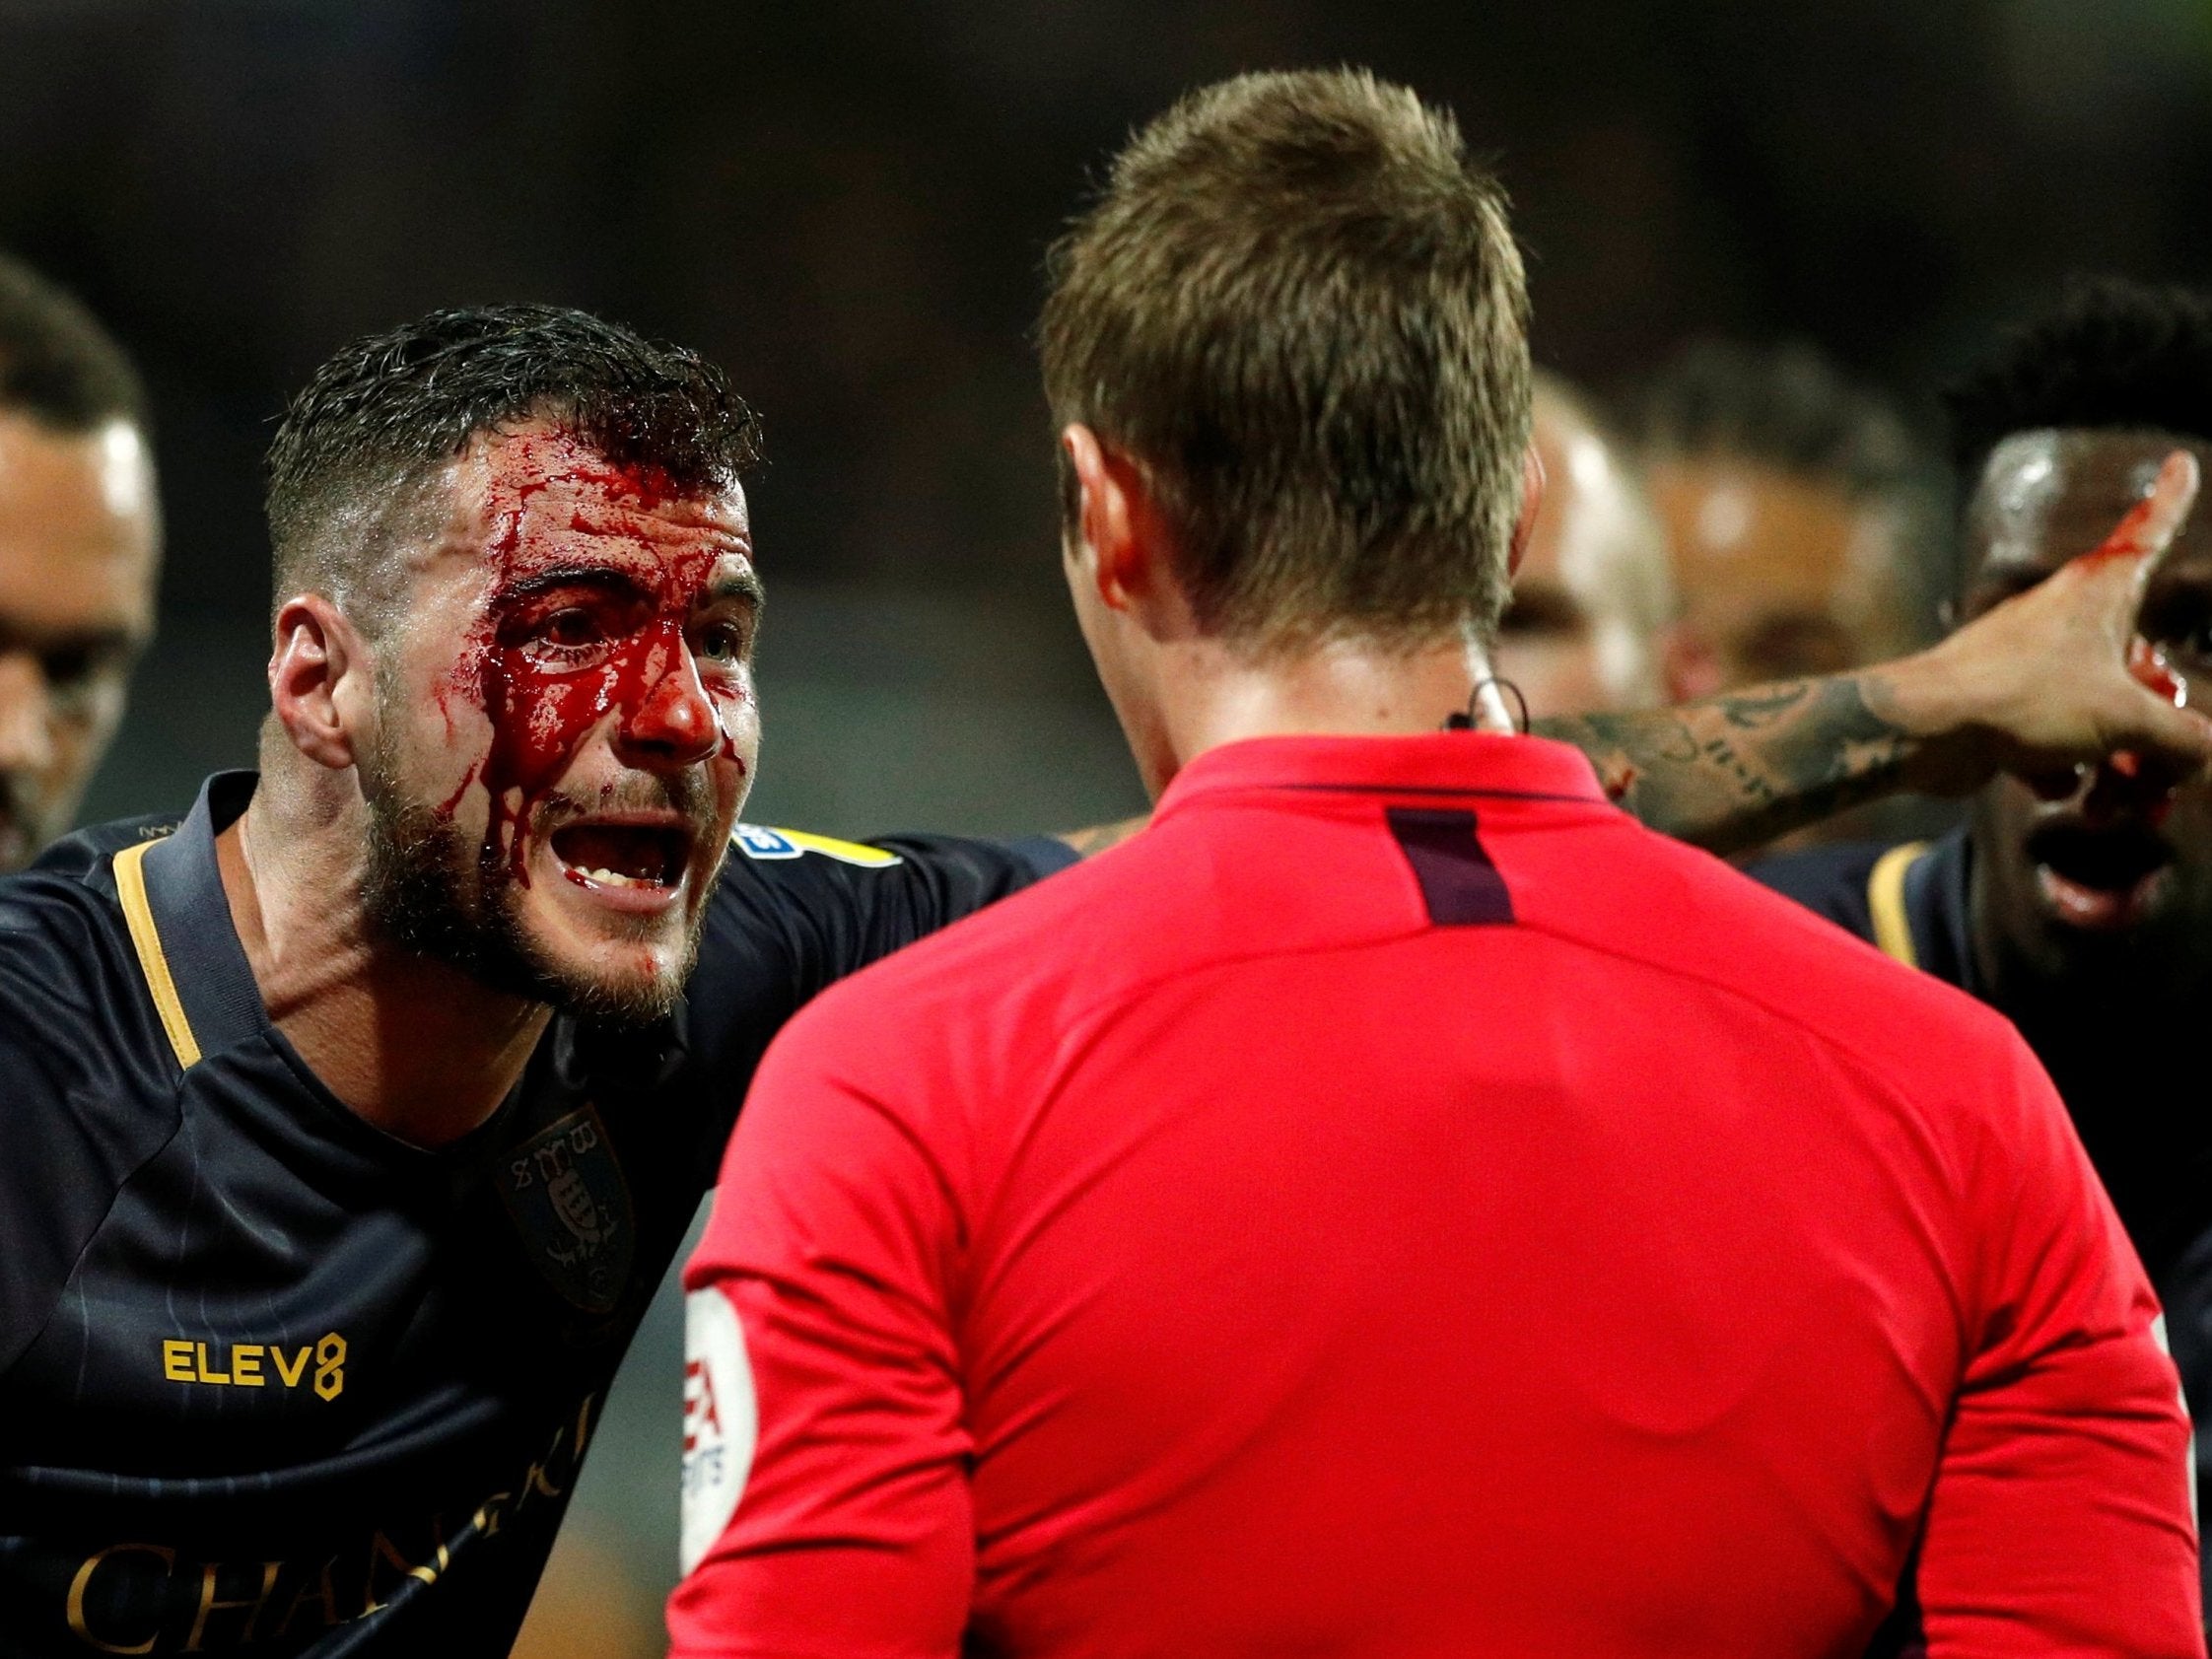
[1208, 694]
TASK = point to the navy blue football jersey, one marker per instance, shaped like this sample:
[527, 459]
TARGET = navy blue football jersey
[274, 1382]
[1911, 899]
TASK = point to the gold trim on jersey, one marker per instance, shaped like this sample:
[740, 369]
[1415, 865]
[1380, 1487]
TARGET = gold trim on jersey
[762, 841]
[851, 852]
[1884, 902]
[153, 961]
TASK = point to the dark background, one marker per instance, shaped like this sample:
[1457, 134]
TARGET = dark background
[847, 205]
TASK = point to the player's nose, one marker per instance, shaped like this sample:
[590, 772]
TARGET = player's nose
[27, 739]
[674, 722]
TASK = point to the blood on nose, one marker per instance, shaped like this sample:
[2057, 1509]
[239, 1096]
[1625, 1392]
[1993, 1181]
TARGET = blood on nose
[671, 710]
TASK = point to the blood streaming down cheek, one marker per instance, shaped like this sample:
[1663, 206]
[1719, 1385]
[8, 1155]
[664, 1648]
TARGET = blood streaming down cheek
[541, 712]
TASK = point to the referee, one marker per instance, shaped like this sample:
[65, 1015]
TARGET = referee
[1396, 1204]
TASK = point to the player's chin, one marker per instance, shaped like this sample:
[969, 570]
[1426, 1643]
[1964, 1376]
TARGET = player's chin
[628, 980]
[612, 949]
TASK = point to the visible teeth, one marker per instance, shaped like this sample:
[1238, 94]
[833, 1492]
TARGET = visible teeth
[613, 878]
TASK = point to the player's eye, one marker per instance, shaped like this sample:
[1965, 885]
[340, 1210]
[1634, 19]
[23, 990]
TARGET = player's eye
[723, 641]
[567, 633]
[573, 627]
[68, 668]
[75, 670]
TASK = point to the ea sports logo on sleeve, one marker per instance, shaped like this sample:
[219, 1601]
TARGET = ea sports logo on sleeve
[721, 1420]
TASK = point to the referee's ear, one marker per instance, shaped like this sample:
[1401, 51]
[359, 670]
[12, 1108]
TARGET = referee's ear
[318, 674]
[1120, 546]
[1532, 503]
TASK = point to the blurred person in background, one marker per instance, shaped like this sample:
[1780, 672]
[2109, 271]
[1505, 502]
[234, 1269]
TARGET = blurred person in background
[1100, 1277]
[1593, 603]
[1794, 509]
[79, 545]
[2082, 908]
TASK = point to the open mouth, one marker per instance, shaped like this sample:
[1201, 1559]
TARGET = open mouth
[617, 856]
[2098, 878]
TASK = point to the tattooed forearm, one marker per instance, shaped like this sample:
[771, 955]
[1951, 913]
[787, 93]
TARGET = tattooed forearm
[1096, 839]
[1742, 768]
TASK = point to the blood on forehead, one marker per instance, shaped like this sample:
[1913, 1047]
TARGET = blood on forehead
[543, 488]
[555, 510]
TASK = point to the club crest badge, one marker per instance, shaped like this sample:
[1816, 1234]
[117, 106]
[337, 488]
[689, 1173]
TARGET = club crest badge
[566, 1192]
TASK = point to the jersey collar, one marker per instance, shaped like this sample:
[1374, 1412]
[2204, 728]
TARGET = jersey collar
[1937, 886]
[1471, 764]
[203, 986]
[193, 940]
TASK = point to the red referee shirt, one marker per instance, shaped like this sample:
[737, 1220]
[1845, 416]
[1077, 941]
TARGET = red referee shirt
[1396, 1205]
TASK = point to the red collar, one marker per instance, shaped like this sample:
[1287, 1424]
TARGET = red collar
[1432, 763]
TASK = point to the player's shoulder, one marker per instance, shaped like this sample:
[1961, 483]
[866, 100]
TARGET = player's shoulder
[62, 928]
[770, 851]
[774, 863]
[1033, 962]
[770, 869]
[76, 1028]
[1830, 881]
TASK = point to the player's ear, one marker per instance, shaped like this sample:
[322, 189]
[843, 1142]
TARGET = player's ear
[320, 675]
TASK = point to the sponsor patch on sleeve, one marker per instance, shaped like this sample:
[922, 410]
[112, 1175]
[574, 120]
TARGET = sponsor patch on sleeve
[758, 841]
[721, 1420]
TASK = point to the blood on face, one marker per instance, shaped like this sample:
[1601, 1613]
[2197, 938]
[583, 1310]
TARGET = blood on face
[598, 572]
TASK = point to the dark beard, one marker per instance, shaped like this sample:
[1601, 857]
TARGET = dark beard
[426, 891]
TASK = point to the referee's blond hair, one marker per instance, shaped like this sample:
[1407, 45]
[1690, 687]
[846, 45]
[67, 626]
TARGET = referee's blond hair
[1297, 305]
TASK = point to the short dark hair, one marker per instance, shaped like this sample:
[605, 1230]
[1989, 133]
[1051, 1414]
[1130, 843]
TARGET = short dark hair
[57, 364]
[2110, 353]
[1298, 307]
[386, 411]
[1785, 408]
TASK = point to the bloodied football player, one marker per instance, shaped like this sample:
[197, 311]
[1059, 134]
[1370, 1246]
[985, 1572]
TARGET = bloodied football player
[325, 1229]
[352, 1117]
